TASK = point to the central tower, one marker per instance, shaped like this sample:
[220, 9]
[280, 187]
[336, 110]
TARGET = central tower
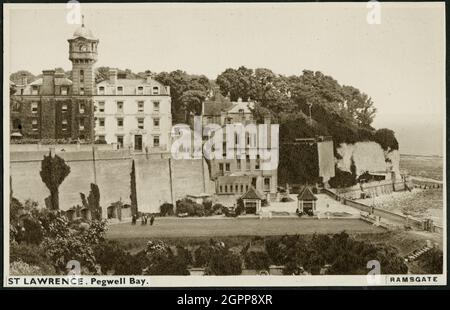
[83, 55]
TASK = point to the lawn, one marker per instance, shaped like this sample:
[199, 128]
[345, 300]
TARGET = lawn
[197, 227]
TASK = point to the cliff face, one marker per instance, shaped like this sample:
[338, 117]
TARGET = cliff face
[367, 156]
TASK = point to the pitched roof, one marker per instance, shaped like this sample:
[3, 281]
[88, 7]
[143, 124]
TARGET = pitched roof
[306, 195]
[252, 193]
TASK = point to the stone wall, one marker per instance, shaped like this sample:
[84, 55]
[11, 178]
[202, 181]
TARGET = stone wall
[159, 179]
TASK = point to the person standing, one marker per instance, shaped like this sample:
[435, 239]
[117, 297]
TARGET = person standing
[152, 219]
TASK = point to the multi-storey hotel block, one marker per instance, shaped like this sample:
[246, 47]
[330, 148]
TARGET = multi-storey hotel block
[133, 113]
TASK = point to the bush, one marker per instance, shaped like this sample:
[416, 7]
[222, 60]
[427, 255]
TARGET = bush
[218, 208]
[432, 262]
[207, 205]
[257, 260]
[240, 209]
[32, 255]
[20, 268]
[166, 209]
[185, 206]
[223, 264]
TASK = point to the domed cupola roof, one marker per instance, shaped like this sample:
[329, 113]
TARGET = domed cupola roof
[83, 32]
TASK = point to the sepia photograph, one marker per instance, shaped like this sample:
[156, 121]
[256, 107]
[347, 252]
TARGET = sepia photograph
[224, 144]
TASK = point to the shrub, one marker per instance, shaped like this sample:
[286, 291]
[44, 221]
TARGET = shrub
[432, 262]
[208, 207]
[257, 260]
[32, 255]
[166, 209]
[224, 263]
[240, 209]
[185, 206]
[20, 268]
[218, 208]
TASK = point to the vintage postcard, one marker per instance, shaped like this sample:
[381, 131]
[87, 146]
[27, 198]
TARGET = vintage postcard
[224, 144]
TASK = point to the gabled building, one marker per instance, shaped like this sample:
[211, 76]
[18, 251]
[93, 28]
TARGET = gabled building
[234, 176]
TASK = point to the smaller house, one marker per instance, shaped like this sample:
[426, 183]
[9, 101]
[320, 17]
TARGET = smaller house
[306, 201]
[252, 201]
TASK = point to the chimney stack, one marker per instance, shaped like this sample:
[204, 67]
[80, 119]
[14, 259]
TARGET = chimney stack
[112, 75]
[23, 79]
[48, 82]
[149, 76]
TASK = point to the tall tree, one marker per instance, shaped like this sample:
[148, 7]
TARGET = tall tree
[94, 202]
[53, 172]
[133, 194]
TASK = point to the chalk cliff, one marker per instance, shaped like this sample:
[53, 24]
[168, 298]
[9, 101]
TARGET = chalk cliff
[367, 156]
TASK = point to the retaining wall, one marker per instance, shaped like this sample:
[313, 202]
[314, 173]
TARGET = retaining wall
[159, 178]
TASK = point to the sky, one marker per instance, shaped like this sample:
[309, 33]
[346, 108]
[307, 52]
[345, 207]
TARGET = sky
[399, 62]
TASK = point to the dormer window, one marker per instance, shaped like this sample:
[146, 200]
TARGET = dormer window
[140, 90]
[101, 90]
[155, 90]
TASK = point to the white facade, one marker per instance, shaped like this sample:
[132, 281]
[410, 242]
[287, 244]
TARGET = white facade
[134, 114]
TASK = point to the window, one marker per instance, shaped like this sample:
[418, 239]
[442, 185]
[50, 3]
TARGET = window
[64, 125]
[239, 164]
[226, 189]
[81, 124]
[34, 124]
[155, 90]
[101, 138]
[120, 122]
[101, 122]
[64, 107]
[120, 90]
[156, 106]
[120, 141]
[257, 162]
[81, 76]
[220, 188]
[101, 90]
[242, 188]
[34, 107]
[63, 90]
[140, 106]
[236, 188]
[156, 141]
[227, 167]
[221, 167]
[34, 90]
[140, 123]
[81, 90]
[82, 106]
[101, 106]
[266, 184]
[247, 162]
[119, 106]
[140, 90]
[156, 122]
